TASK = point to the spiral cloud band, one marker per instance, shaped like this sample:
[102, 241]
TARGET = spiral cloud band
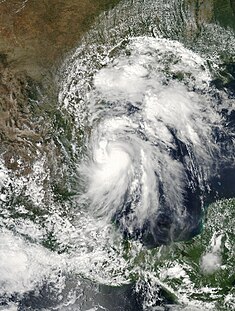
[151, 147]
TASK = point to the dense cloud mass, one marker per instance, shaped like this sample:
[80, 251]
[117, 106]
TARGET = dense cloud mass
[152, 148]
[109, 170]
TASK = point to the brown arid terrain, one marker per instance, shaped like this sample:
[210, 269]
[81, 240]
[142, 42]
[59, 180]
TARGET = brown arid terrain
[34, 39]
[17, 131]
[35, 34]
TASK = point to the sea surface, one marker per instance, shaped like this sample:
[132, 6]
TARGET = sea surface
[124, 198]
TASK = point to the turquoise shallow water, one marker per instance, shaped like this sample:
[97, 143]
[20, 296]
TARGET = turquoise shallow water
[119, 93]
